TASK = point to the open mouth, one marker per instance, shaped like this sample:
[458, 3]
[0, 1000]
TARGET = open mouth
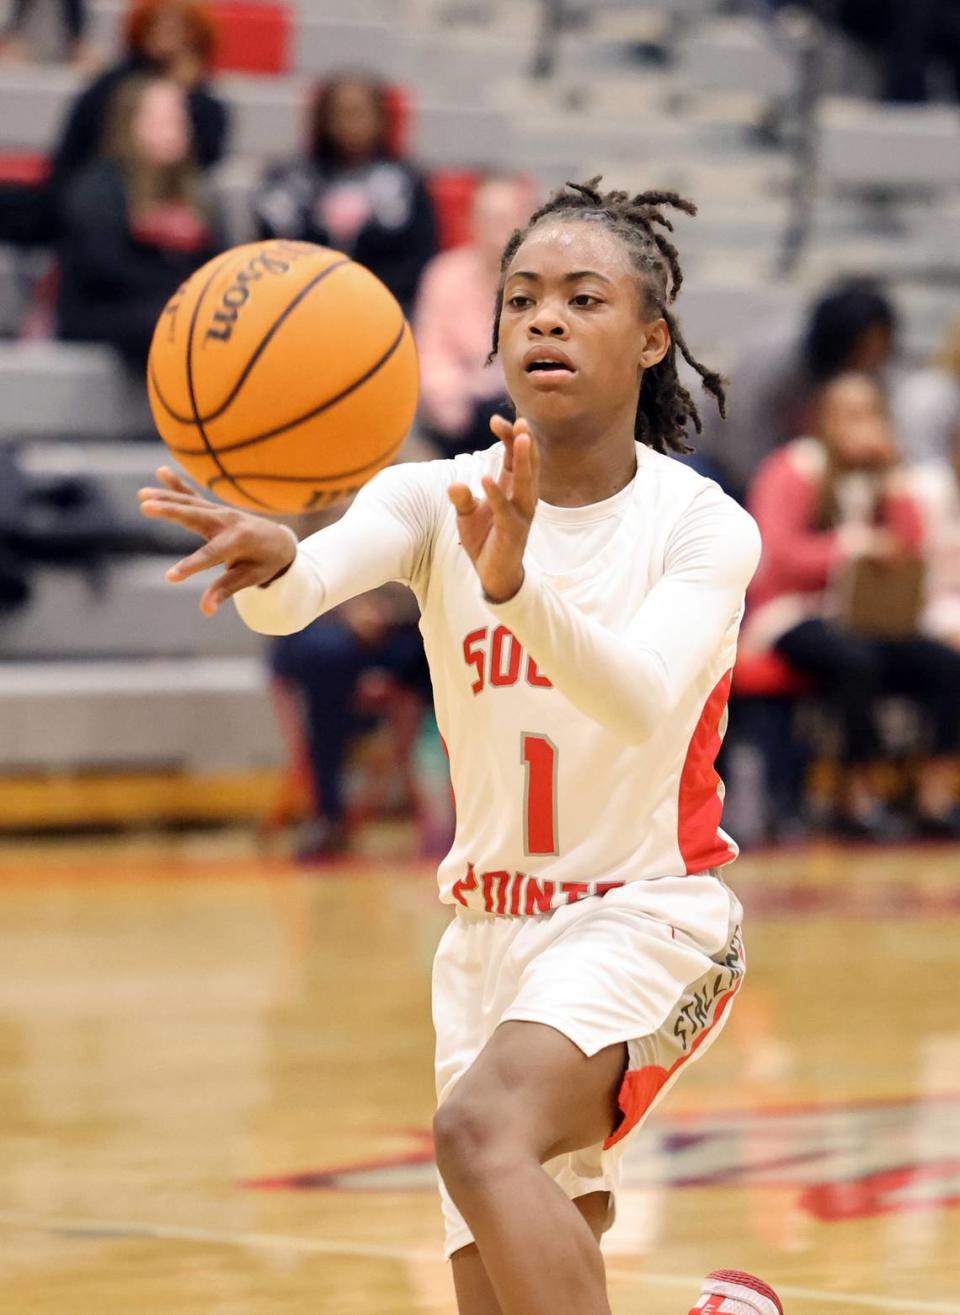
[547, 366]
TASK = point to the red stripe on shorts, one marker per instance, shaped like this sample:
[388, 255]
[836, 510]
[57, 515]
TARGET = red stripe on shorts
[641, 1087]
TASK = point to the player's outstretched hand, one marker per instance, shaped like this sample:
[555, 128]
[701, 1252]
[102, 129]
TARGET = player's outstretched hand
[253, 550]
[494, 529]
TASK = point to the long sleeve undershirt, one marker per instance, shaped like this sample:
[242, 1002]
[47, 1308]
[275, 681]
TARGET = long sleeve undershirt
[629, 681]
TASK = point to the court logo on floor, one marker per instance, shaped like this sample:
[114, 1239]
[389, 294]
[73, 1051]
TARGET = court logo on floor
[845, 1161]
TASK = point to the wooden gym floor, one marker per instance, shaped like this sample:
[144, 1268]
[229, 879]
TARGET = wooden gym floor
[215, 1090]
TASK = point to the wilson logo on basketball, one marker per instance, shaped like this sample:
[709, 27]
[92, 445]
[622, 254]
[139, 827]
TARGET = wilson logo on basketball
[238, 293]
[283, 376]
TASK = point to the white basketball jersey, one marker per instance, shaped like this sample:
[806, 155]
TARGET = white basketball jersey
[583, 757]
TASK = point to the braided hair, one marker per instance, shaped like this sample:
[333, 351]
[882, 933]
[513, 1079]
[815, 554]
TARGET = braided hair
[665, 407]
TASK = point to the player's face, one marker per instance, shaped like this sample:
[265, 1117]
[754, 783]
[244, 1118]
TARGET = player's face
[574, 338]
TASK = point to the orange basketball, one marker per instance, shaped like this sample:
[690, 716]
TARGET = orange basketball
[282, 376]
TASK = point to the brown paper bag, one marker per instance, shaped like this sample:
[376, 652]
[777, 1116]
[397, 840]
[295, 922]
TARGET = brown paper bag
[881, 599]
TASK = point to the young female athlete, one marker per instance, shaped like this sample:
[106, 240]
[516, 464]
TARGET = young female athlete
[580, 604]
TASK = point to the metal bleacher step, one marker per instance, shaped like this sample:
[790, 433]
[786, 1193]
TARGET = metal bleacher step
[181, 713]
[66, 390]
[119, 469]
[738, 54]
[889, 146]
[132, 611]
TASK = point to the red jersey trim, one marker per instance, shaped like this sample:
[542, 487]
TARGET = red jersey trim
[700, 805]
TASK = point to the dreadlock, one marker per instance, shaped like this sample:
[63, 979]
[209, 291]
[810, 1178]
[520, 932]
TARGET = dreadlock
[665, 407]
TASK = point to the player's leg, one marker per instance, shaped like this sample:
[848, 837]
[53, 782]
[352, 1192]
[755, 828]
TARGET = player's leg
[475, 1294]
[530, 1095]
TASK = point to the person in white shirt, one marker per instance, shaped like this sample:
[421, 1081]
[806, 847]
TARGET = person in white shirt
[580, 597]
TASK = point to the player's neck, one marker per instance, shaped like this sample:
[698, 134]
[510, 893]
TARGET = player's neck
[579, 469]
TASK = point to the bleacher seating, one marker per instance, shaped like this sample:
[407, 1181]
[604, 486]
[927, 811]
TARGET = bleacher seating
[254, 37]
[737, 55]
[127, 610]
[132, 674]
[889, 147]
[56, 390]
[185, 713]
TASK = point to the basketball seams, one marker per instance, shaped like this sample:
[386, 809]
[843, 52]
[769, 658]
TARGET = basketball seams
[388, 383]
[210, 450]
[373, 466]
[258, 352]
[309, 415]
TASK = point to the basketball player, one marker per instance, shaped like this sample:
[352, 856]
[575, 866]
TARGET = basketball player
[581, 594]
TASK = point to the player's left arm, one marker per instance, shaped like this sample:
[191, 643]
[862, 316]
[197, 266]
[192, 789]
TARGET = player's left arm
[629, 681]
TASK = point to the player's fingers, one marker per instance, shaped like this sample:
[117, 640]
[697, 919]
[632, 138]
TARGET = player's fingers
[213, 553]
[231, 582]
[501, 427]
[172, 480]
[207, 521]
[499, 502]
[161, 501]
[180, 495]
[462, 499]
[534, 462]
[524, 495]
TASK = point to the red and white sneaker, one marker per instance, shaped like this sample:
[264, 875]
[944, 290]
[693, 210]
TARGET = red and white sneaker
[730, 1292]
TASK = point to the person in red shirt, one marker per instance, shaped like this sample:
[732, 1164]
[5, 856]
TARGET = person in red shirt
[460, 387]
[821, 502]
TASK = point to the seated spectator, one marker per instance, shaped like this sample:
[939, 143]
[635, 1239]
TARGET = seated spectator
[936, 486]
[926, 403]
[459, 391]
[168, 38]
[73, 21]
[825, 505]
[351, 192]
[136, 224]
[172, 39]
[775, 377]
[325, 663]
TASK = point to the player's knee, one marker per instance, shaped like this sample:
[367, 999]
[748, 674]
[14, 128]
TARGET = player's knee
[470, 1142]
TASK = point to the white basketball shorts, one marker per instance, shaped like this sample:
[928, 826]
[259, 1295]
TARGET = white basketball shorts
[654, 964]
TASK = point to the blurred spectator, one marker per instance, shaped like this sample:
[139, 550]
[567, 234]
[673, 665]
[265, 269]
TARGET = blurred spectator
[167, 38]
[325, 664]
[828, 507]
[459, 391]
[909, 39]
[351, 192]
[136, 224]
[173, 39]
[926, 404]
[73, 21]
[936, 486]
[773, 382]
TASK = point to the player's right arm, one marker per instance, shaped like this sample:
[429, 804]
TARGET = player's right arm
[280, 586]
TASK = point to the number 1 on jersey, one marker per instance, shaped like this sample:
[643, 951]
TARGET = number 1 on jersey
[539, 757]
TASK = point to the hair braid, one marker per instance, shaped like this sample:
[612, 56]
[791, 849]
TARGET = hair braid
[665, 409]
